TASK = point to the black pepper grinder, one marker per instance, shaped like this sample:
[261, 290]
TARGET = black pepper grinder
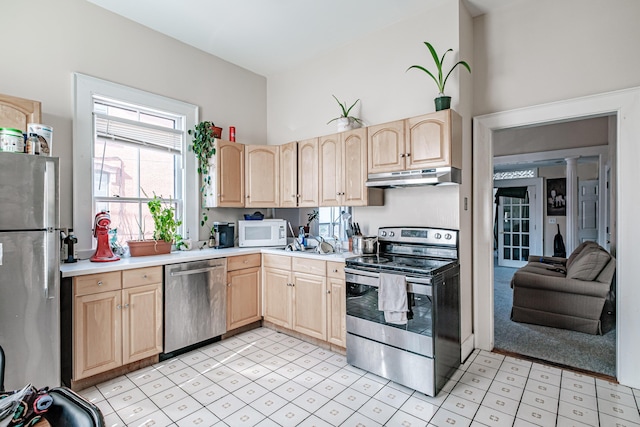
[70, 241]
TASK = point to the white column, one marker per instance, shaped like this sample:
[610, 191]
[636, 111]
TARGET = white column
[571, 201]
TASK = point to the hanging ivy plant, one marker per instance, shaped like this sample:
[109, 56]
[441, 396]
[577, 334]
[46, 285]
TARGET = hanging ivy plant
[203, 146]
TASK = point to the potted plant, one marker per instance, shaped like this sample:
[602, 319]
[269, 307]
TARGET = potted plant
[311, 216]
[203, 146]
[442, 102]
[345, 121]
[165, 230]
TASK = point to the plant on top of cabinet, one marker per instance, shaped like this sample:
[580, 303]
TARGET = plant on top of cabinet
[203, 146]
[442, 102]
[345, 121]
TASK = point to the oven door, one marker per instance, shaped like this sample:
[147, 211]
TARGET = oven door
[365, 320]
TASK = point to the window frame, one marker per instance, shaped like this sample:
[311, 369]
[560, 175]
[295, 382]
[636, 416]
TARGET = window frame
[85, 88]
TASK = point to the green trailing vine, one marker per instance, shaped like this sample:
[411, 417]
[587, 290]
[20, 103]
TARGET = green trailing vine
[203, 146]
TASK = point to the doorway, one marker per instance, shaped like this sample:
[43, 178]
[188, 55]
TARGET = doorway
[623, 106]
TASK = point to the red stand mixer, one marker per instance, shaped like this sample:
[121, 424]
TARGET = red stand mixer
[101, 232]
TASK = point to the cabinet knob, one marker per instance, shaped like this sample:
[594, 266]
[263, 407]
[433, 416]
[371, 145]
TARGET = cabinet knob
[144, 277]
[408, 154]
[402, 155]
[247, 196]
[228, 285]
[245, 261]
[126, 306]
[335, 270]
[118, 307]
[328, 291]
[99, 282]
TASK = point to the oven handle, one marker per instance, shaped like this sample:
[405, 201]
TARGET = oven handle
[410, 279]
[417, 285]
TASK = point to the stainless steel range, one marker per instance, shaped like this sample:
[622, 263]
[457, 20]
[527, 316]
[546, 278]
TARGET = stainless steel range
[425, 351]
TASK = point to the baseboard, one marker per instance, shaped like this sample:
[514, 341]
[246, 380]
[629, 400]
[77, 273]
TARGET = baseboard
[467, 348]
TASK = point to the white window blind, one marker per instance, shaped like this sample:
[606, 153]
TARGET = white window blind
[136, 132]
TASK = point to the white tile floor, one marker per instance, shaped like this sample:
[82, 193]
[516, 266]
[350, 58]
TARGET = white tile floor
[266, 378]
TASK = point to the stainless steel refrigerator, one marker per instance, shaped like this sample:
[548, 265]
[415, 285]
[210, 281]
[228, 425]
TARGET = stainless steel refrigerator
[29, 269]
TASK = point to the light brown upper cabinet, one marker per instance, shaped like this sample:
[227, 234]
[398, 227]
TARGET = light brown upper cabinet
[262, 163]
[429, 141]
[343, 171]
[227, 186]
[17, 112]
[289, 175]
[308, 173]
[434, 140]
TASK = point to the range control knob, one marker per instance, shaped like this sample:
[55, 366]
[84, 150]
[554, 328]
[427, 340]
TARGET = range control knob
[383, 233]
[438, 236]
[391, 234]
[448, 236]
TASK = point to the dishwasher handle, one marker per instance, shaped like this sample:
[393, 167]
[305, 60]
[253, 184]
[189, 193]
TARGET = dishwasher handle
[195, 271]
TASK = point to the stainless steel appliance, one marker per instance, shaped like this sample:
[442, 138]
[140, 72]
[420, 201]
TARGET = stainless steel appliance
[195, 303]
[423, 353]
[267, 232]
[29, 269]
[416, 177]
[223, 234]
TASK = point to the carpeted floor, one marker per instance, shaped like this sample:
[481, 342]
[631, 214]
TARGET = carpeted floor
[594, 353]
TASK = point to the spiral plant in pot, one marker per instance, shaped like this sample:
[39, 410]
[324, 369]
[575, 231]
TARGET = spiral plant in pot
[346, 121]
[442, 102]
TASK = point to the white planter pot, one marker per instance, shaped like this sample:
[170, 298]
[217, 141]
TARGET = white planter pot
[345, 123]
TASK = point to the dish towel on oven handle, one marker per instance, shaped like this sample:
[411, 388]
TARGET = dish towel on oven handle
[392, 298]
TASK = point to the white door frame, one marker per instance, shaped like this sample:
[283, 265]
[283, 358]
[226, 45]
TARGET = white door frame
[625, 104]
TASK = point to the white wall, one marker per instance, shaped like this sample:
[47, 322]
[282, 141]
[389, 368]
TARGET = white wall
[532, 52]
[45, 41]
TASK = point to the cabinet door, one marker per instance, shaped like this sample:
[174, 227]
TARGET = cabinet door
[97, 333]
[336, 312]
[230, 174]
[141, 322]
[308, 173]
[386, 147]
[428, 140]
[261, 176]
[17, 112]
[310, 305]
[289, 175]
[330, 165]
[354, 167]
[243, 297]
[277, 297]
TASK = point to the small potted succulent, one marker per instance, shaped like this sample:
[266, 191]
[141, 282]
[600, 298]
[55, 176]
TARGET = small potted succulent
[345, 121]
[442, 102]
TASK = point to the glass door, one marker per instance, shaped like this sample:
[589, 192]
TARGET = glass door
[514, 225]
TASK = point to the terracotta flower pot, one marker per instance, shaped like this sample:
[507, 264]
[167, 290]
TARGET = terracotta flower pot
[217, 132]
[148, 247]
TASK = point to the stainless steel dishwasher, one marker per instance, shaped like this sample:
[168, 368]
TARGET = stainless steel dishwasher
[195, 303]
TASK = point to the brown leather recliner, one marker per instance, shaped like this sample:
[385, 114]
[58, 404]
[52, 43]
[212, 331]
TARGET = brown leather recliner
[565, 293]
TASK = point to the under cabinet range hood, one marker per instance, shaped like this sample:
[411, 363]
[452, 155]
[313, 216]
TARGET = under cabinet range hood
[412, 178]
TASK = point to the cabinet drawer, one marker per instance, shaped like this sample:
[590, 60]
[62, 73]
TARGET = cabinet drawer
[243, 261]
[335, 269]
[94, 283]
[282, 262]
[141, 276]
[312, 266]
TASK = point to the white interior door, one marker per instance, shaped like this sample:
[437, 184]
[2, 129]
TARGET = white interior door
[518, 225]
[588, 208]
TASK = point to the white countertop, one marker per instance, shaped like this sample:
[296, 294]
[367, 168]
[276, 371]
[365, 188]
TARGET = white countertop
[87, 267]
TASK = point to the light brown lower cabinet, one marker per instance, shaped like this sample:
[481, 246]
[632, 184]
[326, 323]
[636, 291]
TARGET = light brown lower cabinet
[306, 295]
[244, 305]
[117, 319]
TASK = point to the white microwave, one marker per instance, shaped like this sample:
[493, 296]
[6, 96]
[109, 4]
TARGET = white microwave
[267, 232]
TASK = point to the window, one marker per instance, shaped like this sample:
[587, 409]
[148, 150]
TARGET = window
[137, 153]
[333, 222]
[128, 142]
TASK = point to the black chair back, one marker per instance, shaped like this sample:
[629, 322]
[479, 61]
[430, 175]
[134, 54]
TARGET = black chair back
[2, 362]
[71, 410]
